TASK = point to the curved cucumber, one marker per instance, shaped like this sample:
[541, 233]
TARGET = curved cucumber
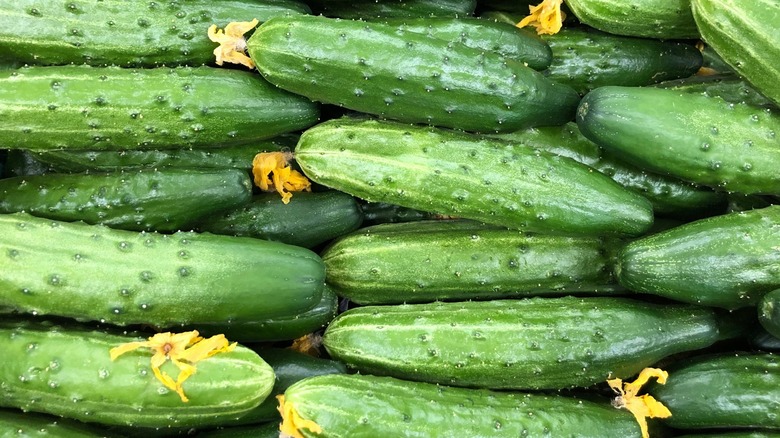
[99, 108]
[534, 343]
[663, 19]
[426, 261]
[67, 371]
[371, 9]
[92, 272]
[769, 312]
[381, 69]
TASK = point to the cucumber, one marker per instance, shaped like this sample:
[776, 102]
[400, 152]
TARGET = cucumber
[769, 312]
[663, 19]
[67, 371]
[425, 261]
[117, 32]
[15, 423]
[60, 268]
[369, 9]
[728, 87]
[669, 196]
[735, 390]
[727, 261]
[314, 218]
[370, 406]
[745, 35]
[468, 176]
[375, 213]
[151, 200]
[697, 138]
[100, 108]
[383, 70]
[534, 343]
[264, 430]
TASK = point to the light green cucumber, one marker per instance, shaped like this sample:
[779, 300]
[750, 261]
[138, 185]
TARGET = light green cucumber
[18, 424]
[662, 19]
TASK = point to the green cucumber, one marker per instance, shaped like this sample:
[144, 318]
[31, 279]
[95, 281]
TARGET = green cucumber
[381, 69]
[727, 261]
[344, 405]
[769, 312]
[67, 371]
[669, 196]
[697, 138]
[308, 221]
[468, 176]
[265, 430]
[745, 35]
[663, 19]
[425, 261]
[728, 87]
[99, 108]
[117, 32]
[151, 200]
[369, 9]
[735, 390]
[15, 423]
[375, 213]
[92, 272]
[534, 343]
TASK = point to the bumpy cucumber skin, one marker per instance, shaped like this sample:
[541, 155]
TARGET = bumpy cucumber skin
[67, 371]
[309, 220]
[534, 343]
[728, 87]
[727, 261]
[669, 196]
[100, 108]
[146, 200]
[426, 261]
[697, 138]
[370, 406]
[92, 272]
[468, 176]
[127, 34]
[726, 391]
[370, 9]
[745, 35]
[769, 312]
[18, 424]
[662, 19]
[380, 69]
[585, 59]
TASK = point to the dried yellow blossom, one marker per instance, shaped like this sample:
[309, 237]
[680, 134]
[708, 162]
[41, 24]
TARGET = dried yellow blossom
[546, 17]
[292, 422]
[308, 344]
[642, 406]
[272, 171]
[232, 44]
[182, 349]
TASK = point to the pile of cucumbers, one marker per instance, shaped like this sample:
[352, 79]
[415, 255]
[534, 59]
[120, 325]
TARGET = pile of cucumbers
[501, 224]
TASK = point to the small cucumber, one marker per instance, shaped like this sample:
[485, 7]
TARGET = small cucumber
[372, 9]
[425, 261]
[534, 343]
[727, 261]
[151, 200]
[18, 424]
[92, 272]
[67, 371]
[769, 312]
[697, 138]
[468, 176]
[100, 108]
[662, 19]
[383, 70]
[728, 87]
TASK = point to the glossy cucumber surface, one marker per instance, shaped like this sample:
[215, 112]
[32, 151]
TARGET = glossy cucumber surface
[662, 19]
[371, 9]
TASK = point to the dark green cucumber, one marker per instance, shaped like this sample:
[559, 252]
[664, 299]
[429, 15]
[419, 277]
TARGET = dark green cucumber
[425, 261]
[151, 200]
[663, 19]
[728, 87]
[344, 405]
[99, 108]
[745, 35]
[713, 63]
[769, 312]
[534, 343]
[92, 272]
[118, 32]
[468, 176]
[370, 9]
[669, 196]
[15, 423]
[381, 69]
[697, 138]
[264, 430]
[744, 434]
[67, 371]
[735, 390]
[375, 213]
[310, 219]
[727, 261]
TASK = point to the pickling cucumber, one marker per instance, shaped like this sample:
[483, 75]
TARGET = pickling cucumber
[662, 19]
[372, 9]
[15, 423]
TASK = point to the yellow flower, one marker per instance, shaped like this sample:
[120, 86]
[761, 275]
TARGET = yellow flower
[308, 344]
[272, 171]
[232, 43]
[182, 349]
[546, 17]
[643, 406]
[292, 422]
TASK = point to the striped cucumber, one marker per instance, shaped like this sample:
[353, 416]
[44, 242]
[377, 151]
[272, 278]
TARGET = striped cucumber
[91, 272]
[534, 343]
[468, 176]
[381, 69]
[662, 19]
[425, 261]
[769, 312]
[99, 108]
[371, 9]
